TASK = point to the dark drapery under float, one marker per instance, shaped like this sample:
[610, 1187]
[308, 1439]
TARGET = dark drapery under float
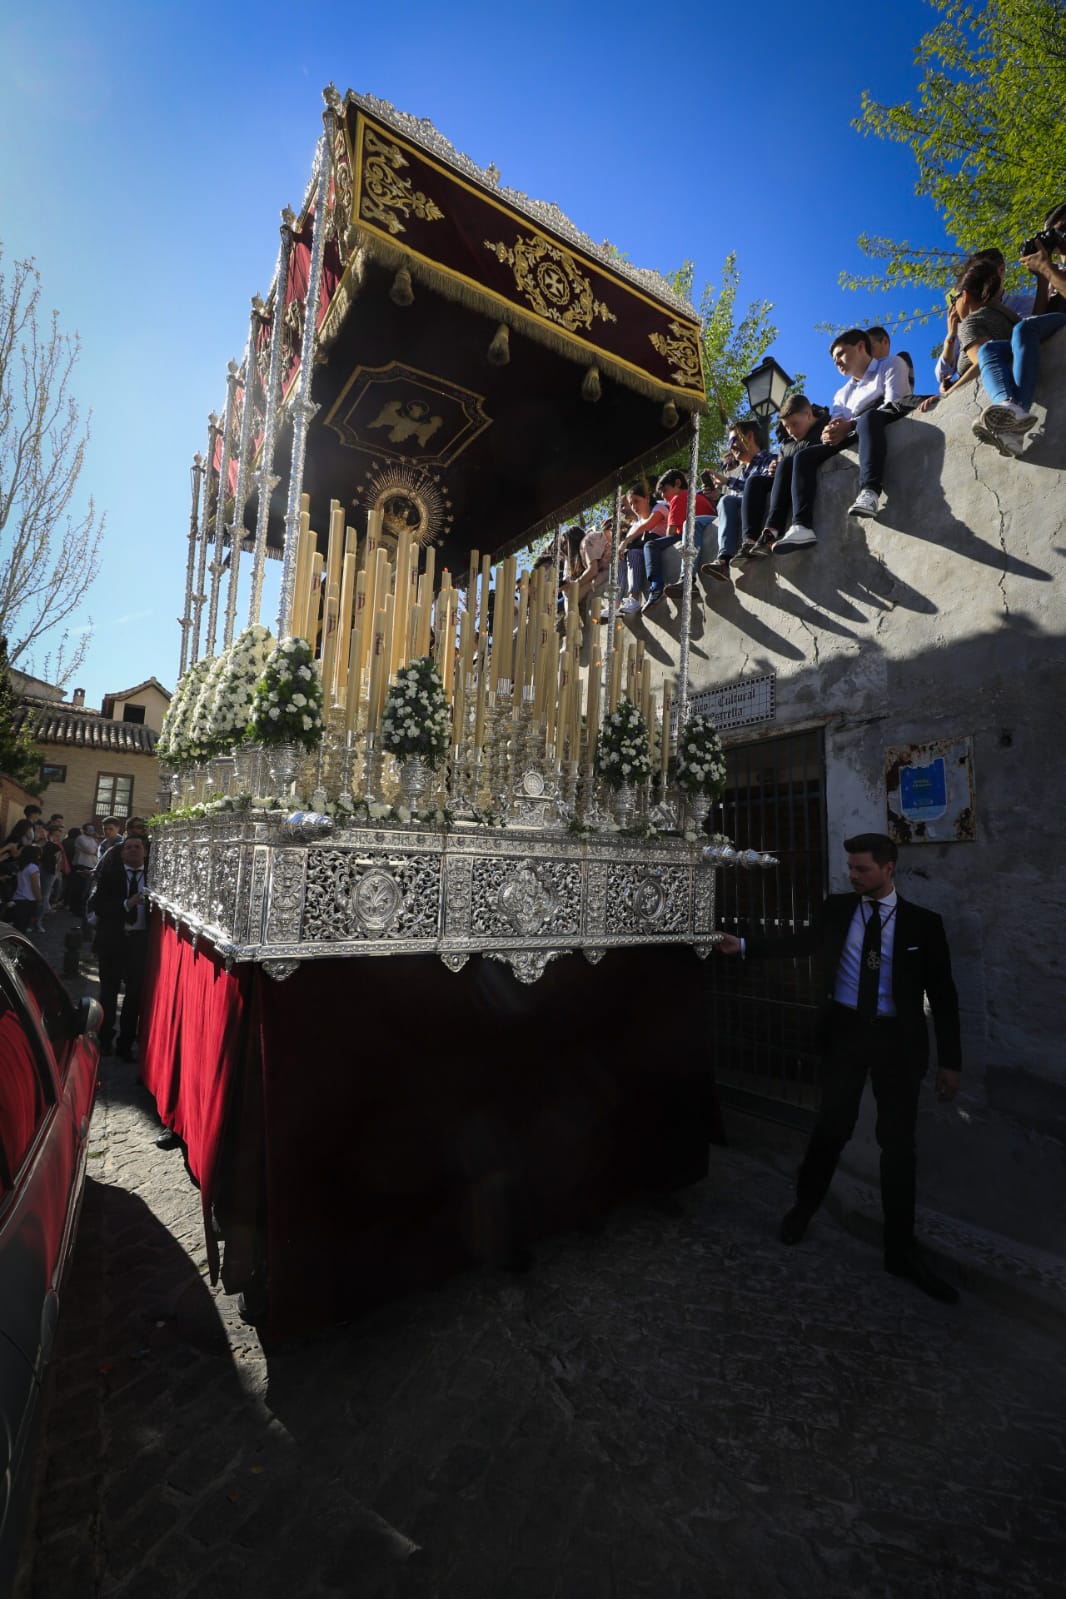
[384, 1121]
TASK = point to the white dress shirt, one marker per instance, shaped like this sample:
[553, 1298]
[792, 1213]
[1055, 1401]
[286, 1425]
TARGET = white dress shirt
[884, 380]
[846, 989]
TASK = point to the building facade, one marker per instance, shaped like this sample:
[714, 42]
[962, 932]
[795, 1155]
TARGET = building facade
[98, 763]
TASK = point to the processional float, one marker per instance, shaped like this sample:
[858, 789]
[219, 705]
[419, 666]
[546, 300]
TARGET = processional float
[442, 366]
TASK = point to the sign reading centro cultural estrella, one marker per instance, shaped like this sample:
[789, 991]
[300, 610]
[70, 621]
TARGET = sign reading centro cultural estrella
[741, 704]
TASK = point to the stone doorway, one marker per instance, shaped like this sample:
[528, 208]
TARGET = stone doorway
[762, 1014]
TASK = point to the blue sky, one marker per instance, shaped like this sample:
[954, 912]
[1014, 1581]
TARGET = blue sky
[146, 151]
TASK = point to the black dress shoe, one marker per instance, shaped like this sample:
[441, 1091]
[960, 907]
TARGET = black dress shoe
[914, 1269]
[794, 1225]
[168, 1140]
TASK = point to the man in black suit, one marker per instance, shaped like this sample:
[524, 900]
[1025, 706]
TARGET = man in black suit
[879, 956]
[118, 903]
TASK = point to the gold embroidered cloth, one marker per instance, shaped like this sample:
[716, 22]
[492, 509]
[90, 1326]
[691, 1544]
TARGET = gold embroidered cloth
[470, 244]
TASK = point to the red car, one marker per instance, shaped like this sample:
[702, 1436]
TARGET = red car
[48, 1067]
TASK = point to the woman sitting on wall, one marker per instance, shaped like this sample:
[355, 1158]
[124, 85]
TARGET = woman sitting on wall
[1003, 348]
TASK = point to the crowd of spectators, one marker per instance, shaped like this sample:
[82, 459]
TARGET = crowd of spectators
[44, 869]
[762, 500]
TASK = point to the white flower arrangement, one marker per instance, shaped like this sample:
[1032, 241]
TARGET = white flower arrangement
[623, 754]
[700, 761]
[175, 744]
[417, 719]
[232, 689]
[287, 705]
[198, 735]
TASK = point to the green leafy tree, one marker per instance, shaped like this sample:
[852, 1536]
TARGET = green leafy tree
[732, 346]
[20, 758]
[986, 132]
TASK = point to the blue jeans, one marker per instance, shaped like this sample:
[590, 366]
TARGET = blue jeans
[653, 551]
[1009, 370]
[729, 521]
[742, 516]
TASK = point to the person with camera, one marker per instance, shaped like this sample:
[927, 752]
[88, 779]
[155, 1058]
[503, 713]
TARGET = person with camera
[1006, 356]
[1010, 368]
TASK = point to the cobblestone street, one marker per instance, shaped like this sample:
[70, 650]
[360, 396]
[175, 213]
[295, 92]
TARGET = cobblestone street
[677, 1408]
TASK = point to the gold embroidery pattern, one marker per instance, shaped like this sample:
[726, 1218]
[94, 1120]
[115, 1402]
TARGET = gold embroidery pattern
[385, 193]
[684, 351]
[551, 282]
[341, 209]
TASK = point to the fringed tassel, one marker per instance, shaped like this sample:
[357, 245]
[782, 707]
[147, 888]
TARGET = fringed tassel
[441, 281]
[590, 385]
[670, 418]
[402, 292]
[500, 348]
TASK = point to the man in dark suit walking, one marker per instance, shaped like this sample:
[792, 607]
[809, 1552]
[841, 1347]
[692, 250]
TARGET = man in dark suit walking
[879, 956]
[119, 905]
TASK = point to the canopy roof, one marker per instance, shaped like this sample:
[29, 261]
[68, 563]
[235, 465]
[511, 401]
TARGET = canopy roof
[483, 369]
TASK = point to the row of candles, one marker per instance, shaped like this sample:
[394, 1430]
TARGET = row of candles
[369, 611]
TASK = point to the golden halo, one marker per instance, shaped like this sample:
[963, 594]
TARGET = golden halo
[408, 497]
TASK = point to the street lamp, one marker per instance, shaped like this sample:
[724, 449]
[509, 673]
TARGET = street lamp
[767, 387]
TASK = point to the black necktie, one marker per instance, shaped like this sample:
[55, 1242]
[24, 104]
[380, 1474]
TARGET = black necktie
[134, 886]
[870, 965]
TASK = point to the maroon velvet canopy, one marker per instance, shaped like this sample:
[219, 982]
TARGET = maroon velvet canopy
[482, 371]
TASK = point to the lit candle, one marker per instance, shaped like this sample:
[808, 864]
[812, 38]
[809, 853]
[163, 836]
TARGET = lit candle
[466, 645]
[377, 652]
[355, 678]
[344, 623]
[471, 583]
[335, 544]
[594, 692]
[664, 752]
[329, 643]
[386, 656]
[302, 577]
[482, 697]
[403, 601]
[310, 629]
[615, 683]
[483, 597]
[518, 664]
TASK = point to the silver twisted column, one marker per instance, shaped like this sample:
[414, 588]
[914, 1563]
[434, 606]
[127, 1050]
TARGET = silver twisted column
[204, 533]
[266, 482]
[303, 408]
[240, 493]
[688, 562]
[185, 621]
[220, 506]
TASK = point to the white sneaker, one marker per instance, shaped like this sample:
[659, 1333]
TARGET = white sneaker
[798, 537]
[1007, 418]
[631, 606]
[867, 503]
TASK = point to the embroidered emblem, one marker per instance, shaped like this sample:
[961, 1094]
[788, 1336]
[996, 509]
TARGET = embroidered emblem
[385, 193]
[684, 351]
[552, 282]
[400, 411]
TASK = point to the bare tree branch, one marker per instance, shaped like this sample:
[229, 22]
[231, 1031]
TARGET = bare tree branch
[48, 553]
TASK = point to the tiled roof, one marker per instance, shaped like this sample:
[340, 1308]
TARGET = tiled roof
[55, 724]
[150, 682]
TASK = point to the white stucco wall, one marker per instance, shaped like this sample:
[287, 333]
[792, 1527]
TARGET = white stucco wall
[945, 618]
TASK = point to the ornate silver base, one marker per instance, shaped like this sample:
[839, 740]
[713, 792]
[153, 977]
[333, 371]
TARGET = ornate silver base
[266, 886]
